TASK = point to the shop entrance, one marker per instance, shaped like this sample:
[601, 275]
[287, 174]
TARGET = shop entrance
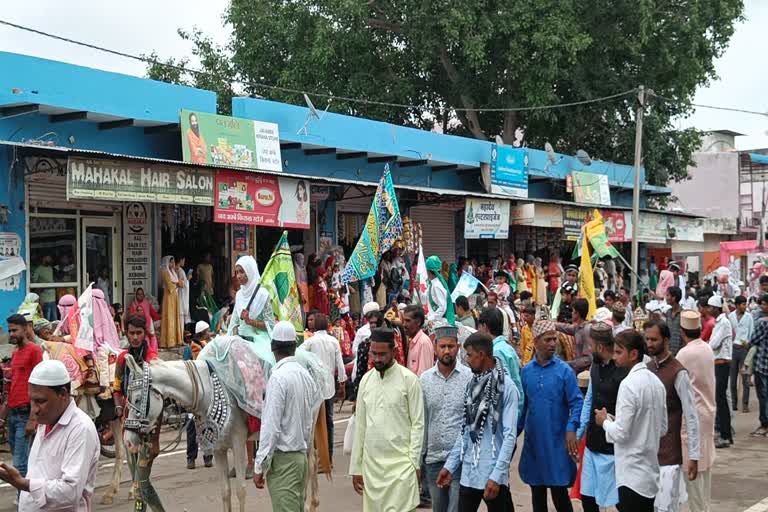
[100, 242]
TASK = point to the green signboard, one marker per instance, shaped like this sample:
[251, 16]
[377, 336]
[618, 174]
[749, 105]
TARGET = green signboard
[231, 141]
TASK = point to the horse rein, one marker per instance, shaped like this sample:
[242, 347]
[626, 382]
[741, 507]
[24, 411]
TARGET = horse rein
[140, 423]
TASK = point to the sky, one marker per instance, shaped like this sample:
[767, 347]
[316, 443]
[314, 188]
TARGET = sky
[126, 26]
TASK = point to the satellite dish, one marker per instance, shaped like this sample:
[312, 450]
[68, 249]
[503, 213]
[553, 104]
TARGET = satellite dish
[551, 156]
[311, 107]
[499, 140]
[313, 114]
[583, 157]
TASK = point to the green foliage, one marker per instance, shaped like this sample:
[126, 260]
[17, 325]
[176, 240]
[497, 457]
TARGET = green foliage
[446, 54]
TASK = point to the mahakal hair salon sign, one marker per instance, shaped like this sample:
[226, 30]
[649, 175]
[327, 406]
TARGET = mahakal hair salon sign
[130, 180]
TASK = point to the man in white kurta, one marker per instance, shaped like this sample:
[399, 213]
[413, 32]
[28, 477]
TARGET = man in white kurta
[65, 453]
[389, 431]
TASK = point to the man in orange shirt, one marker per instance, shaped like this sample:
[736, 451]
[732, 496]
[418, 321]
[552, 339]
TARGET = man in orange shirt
[198, 152]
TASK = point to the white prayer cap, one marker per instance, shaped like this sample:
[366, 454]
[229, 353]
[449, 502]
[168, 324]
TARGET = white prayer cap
[715, 301]
[49, 373]
[370, 307]
[201, 326]
[602, 315]
[284, 331]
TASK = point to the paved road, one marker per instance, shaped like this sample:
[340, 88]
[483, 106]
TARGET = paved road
[739, 480]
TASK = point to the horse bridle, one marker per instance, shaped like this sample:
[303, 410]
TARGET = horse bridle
[140, 422]
[218, 411]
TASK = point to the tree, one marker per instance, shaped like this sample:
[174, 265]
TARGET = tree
[443, 57]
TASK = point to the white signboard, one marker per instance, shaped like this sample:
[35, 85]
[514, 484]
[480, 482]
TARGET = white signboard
[137, 247]
[486, 218]
[11, 261]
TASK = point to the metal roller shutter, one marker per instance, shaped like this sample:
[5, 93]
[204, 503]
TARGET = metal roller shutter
[47, 191]
[438, 231]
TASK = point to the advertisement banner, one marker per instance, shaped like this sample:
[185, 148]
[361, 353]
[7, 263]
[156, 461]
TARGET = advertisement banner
[689, 230]
[137, 247]
[509, 171]
[618, 225]
[261, 200]
[573, 220]
[652, 228]
[11, 261]
[127, 180]
[591, 188]
[486, 218]
[224, 140]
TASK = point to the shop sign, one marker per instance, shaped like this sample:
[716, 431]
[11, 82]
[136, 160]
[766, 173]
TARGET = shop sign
[618, 225]
[137, 247]
[688, 230]
[224, 140]
[573, 220]
[536, 214]
[261, 200]
[486, 218]
[652, 228]
[132, 180]
[509, 171]
[591, 188]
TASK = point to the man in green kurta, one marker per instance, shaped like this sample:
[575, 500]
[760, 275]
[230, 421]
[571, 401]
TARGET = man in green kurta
[389, 431]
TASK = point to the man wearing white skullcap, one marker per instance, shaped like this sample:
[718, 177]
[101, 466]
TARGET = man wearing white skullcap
[62, 463]
[286, 424]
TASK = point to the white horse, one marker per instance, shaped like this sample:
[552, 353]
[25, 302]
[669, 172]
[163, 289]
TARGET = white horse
[194, 387]
[108, 498]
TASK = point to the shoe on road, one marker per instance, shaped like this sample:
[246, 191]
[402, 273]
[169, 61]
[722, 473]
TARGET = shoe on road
[190, 463]
[722, 443]
[208, 461]
[760, 431]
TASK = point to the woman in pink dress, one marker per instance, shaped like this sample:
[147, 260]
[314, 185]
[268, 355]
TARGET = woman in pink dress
[142, 306]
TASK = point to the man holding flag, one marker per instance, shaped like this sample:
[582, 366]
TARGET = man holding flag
[439, 307]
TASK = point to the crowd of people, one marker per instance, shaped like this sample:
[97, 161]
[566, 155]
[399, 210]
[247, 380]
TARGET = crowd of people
[618, 403]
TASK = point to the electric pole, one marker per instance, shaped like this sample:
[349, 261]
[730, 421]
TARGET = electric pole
[636, 190]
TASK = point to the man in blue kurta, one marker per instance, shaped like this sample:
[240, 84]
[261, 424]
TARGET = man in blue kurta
[550, 418]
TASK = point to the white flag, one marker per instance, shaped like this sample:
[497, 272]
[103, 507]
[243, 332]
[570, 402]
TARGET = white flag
[84, 338]
[466, 286]
[422, 279]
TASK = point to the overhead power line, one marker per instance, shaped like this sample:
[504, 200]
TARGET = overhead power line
[713, 107]
[260, 85]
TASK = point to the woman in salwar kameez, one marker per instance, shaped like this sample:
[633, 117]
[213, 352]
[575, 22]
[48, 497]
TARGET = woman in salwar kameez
[171, 331]
[252, 319]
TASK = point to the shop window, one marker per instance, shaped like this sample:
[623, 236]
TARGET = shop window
[53, 257]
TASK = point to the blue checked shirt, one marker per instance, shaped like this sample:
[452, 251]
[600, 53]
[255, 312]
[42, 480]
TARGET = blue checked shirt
[760, 340]
[443, 410]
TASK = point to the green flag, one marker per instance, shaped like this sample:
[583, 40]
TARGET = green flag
[280, 281]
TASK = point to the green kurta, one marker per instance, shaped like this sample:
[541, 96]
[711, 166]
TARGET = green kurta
[389, 431]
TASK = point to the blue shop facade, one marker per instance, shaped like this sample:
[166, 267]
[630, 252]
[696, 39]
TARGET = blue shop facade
[58, 122]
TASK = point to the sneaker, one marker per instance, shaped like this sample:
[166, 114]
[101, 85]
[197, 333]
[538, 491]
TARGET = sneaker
[760, 431]
[722, 443]
[190, 463]
[208, 461]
